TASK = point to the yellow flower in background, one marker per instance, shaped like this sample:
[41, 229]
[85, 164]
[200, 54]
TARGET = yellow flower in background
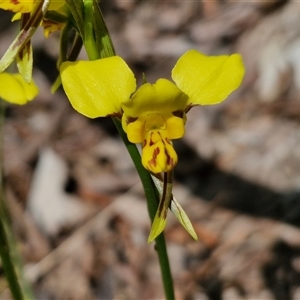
[50, 27]
[14, 89]
[59, 7]
[32, 14]
[17, 6]
[27, 6]
[154, 114]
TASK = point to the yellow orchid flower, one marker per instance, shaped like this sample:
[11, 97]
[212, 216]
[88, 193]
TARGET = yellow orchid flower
[14, 89]
[32, 13]
[26, 6]
[17, 6]
[154, 114]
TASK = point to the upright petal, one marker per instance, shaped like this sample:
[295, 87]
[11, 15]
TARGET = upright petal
[207, 79]
[97, 88]
[163, 96]
[14, 89]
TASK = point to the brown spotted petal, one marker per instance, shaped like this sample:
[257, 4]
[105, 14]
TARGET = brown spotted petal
[158, 154]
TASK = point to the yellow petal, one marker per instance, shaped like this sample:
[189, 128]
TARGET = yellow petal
[14, 89]
[160, 97]
[97, 88]
[22, 6]
[207, 79]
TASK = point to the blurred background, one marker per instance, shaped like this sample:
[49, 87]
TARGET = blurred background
[78, 208]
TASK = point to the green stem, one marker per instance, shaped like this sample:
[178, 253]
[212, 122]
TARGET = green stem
[152, 202]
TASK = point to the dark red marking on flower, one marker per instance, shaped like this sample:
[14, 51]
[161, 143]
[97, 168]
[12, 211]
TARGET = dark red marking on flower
[152, 161]
[187, 109]
[178, 113]
[156, 152]
[168, 141]
[170, 160]
[151, 143]
[144, 143]
[115, 115]
[130, 120]
[15, 2]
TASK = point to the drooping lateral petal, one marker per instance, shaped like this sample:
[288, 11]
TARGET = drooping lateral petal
[24, 61]
[135, 130]
[176, 209]
[97, 88]
[207, 79]
[162, 97]
[14, 89]
[175, 126]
